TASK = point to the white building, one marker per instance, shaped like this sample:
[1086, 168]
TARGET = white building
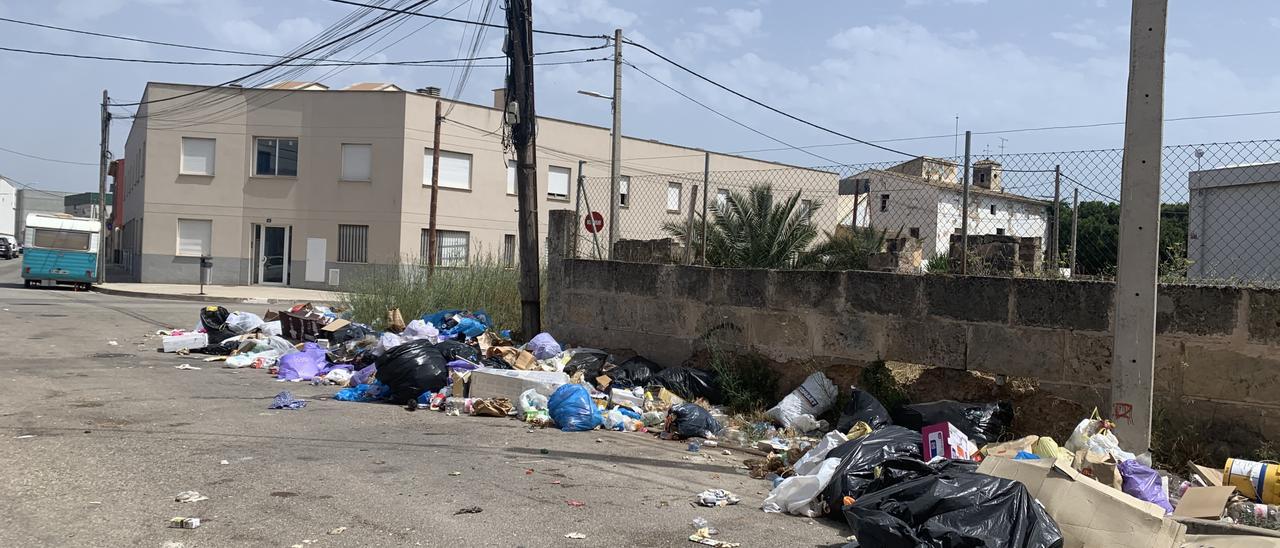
[1233, 230]
[8, 207]
[922, 198]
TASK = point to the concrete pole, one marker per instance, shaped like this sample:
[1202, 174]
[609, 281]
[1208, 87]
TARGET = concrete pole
[688, 226]
[103, 153]
[706, 182]
[615, 157]
[435, 191]
[1055, 262]
[577, 210]
[1133, 360]
[964, 207]
[1075, 225]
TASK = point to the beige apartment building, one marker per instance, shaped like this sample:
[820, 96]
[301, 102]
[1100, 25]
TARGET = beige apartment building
[300, 185]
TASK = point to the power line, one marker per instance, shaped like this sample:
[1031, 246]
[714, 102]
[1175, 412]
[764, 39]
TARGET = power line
[283, 62]
[466, 21]
[727, 117]
[1082, 185]
[761, 104]
[423, 62]
[56, 161]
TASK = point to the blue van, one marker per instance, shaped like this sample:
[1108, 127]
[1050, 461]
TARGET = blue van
[60, 249]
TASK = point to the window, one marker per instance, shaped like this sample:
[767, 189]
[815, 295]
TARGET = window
[455, 170]
[277, 157]
[197, 156]
[673, 197]
[452, 247]
[999, 232]
[509, 250]
[558, 183]
[884, 202]
[353, 243]
[915, 232]
[806, 210]
[357, 162]
[982, 176]
[624, 191]
[194, 237]
[993, 209]
[722, 200]
[49, 238]
[511, 177]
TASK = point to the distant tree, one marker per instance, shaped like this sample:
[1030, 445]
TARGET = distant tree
[752, 230]
[1099, 236]
[848, 248]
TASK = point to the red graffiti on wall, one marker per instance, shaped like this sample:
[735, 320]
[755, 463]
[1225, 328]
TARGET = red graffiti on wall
[1123, 411]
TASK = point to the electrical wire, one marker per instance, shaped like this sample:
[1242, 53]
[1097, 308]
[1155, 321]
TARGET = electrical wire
[465, 21]
[762, 104]
[56, 161]
[727, 117]
[421, 62]
[291, 58]
[1082, 185]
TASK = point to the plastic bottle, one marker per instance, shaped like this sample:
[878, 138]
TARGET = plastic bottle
[695, 446]
[699, 523]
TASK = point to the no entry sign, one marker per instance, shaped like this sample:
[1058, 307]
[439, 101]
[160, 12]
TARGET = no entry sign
[594, 222]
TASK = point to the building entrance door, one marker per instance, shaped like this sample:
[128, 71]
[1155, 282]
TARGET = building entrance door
[272, 243]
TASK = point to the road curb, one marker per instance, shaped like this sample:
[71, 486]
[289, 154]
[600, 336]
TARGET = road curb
[198, 298]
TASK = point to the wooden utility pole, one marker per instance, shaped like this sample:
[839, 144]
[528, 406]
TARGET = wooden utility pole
[524, 138]
[103, 153]
[435, 191]
[1133, 358]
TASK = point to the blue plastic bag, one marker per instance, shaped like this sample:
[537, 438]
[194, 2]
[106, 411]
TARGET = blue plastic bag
[572, 409]
[543, 346]
[363, 392]
[1144, 483]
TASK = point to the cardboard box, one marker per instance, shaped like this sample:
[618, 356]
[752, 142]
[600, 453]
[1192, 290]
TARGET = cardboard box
[1204, 502]
[1089, 513]
[946, 441]
[510, 383]
[189, 341]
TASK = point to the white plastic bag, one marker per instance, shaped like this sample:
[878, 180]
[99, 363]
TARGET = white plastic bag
[1092, 435]
[812, 398]
[418, 329]
[530, 400]
[796, 494]
[386, 341]
[243, 322]
[812, 459]
[271, 329]
[339, 377]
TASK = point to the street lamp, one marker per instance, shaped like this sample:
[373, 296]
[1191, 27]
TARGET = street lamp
[615, 157]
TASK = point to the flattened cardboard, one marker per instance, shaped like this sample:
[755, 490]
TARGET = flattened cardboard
[1230, 541]
[1212, 477]
[1204, 502]
[1088, 513]
[335, 325]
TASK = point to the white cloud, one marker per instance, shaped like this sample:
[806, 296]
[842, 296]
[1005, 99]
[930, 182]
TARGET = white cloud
[249, 34]
[567, 12]
[731, 28]
[705, 10]
[1275, 21]
[1079, 39]
[928, 2]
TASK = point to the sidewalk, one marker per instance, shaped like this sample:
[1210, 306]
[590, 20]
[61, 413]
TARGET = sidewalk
[254, 294]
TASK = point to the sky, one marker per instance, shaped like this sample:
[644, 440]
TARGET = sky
[873, 69]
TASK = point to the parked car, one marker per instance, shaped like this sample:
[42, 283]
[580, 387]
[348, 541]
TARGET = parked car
[6, 249]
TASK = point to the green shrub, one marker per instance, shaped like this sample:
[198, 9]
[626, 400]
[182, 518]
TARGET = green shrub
[746, 381]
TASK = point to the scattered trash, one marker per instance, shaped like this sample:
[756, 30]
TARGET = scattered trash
[285, 400]
[799, 408]
[24, 437]
[1143, 483]
[187, 367]
[703, 537]
[717, 497]
[700, 524]
[726, 452]
[1257, 481]
[575, 503]
[544, 451]
[184, 523]
[573, 410]
[455, 473]
[224, 462]
[575, 536]
[337, 530]
[190, 496]
[983, 423]
[469, 510]
[690, 420]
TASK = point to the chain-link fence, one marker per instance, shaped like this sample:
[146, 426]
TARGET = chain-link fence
[1052, 214]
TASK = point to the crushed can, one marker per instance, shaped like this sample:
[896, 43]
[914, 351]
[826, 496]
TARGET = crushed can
[184, 523]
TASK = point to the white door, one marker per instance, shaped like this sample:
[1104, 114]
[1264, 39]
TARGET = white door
[273, 255]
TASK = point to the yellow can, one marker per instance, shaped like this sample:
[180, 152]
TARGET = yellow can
[1259, 481]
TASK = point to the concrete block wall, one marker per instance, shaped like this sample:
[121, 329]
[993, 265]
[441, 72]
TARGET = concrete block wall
[1217, 349]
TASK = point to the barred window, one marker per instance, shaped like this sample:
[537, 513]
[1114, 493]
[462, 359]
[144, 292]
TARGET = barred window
[509, 250]
[353, 243]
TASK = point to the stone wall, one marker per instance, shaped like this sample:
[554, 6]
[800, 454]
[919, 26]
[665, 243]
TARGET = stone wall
[1217, 349]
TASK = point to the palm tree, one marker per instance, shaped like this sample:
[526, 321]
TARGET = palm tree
[750, 230]
[847, 249]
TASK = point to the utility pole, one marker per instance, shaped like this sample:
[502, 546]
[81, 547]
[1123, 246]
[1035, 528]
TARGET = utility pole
[615, 156]
[524, 137]
[1075, 225]
[1055, 262]
[1133, 358]
[577, 208]
[706, 182]
[688, 227]
[103, 153]
[964, 208]
[435, 191]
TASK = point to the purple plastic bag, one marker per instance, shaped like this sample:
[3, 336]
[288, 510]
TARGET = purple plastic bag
[304, 365]
[364, 375]
[1144, 483]
[462, 365]
[542, 346]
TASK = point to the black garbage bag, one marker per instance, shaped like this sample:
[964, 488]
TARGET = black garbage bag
[982, 422]
[863, 407]
[589, 361]
[351, 332]
[902, 469]
[214, 321]
[959, 509]
[689, 383]
[411, 369]
[637, 371]
[494, 363]
[860, 457]
[457, 350]
[690, 420]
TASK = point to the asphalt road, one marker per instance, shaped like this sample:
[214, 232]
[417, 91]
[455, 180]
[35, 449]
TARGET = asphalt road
[97, 439]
